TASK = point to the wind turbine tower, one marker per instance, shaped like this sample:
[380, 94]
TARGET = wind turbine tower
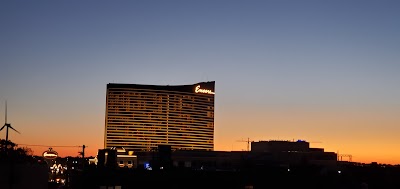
[7, 125]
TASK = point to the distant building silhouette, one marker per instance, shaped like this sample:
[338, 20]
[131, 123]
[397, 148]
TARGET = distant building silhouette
[280, 146]
[141, 117]
[295, 152]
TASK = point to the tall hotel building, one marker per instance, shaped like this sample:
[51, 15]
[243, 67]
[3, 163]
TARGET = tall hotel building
[141, 117]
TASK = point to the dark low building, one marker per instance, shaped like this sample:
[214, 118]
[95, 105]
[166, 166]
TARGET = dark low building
[295, 153]
[164, 167]
[274, 146]
[265, 154]
[115, 157]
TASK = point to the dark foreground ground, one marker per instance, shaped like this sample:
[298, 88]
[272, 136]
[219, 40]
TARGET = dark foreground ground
[351, 178]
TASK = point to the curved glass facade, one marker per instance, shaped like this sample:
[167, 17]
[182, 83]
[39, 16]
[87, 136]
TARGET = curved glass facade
[141, 117]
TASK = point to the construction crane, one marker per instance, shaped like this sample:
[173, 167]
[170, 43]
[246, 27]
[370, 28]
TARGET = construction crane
[248, 142]
[341, 156]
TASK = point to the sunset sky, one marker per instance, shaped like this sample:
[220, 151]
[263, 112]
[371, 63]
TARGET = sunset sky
[323, 71]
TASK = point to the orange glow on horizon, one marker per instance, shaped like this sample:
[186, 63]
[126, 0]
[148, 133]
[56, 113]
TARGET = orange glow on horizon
[347, 131]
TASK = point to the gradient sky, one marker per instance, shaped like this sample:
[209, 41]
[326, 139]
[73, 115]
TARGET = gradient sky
[323, 71]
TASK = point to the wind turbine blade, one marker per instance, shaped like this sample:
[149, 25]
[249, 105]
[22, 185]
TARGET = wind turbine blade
[3, 127]
[6, 113]
[13, 128]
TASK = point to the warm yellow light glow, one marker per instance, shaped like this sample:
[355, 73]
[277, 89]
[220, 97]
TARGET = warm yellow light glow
[50, 154]
[200, 90]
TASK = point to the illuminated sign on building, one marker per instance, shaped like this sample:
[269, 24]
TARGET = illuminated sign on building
[200, 90]
[50, 154]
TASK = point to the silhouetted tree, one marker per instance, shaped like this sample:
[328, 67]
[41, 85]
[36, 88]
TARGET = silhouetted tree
[10, 151]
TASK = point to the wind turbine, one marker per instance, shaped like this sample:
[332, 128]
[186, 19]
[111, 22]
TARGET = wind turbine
[7, 125]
